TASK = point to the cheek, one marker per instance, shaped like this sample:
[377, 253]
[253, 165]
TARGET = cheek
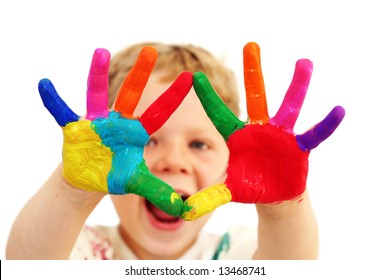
[218, 161]
[126, 206]
[148, 155]
[198, 224]
[211, 168]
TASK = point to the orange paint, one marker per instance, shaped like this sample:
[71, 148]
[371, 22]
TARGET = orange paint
[135, 82]
[256, 101]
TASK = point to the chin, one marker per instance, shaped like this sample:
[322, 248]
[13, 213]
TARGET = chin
[167, 245]
[170, 237]
[152, 234]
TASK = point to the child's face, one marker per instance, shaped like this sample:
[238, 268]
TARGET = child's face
[188, 153]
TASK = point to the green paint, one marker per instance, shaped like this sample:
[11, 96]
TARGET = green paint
[223, 246]
[186, 208]
[155, 190]
[222, 117]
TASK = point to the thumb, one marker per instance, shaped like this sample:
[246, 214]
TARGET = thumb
[205, 201]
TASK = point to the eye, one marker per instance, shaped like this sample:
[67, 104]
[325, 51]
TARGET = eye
[200, 145]
[152, 142]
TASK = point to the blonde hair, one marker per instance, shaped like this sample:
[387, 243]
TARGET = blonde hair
[174, 59]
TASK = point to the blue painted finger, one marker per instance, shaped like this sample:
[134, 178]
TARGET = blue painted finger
[54, 104]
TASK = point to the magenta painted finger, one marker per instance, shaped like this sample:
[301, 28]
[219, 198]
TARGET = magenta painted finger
[312, 138]
[97, 87]
[288, 112]
[161, 109]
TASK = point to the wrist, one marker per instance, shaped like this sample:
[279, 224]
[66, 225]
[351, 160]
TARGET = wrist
[76, 195]
[283, 209]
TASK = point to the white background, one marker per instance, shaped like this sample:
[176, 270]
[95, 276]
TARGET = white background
[346, 40]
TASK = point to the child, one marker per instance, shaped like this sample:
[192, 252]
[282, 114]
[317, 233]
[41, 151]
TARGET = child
[187, 153]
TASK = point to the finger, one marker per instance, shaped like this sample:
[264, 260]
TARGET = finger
[256, 101]
[54, 104]
[156, 191]
[135, 82]
[161, 109]
[288, 112]
[205, 201]
[97, 86]
[223, 119]
[322, 130]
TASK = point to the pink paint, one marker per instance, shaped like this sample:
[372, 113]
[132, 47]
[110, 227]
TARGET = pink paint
[97, 86]
[288, 112]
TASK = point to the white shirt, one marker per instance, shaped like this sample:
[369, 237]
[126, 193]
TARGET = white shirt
[99, 243]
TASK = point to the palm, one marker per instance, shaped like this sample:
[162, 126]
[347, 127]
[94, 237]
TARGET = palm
[92, 148]
[103, 152]
[265, 165]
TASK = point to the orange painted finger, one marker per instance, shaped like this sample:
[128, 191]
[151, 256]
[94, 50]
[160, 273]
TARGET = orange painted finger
[135, 82]
[256, 101]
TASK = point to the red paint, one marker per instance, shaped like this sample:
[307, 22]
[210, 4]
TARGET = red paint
[164, 106]
[265, 165]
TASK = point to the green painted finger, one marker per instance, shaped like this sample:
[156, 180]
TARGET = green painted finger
[156, 191]
[222, 117]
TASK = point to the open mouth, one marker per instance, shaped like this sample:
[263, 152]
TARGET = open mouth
[162, 220]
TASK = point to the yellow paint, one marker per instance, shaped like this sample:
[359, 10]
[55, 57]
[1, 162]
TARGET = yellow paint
[174, 197]
[86, 161]
[205, 201]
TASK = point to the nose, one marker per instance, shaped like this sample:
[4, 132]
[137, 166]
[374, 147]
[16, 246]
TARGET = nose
[171, 158]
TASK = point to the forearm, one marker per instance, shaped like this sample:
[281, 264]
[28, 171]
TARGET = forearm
[287, 230]
[48, 225]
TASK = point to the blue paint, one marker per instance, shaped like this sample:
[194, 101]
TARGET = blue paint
[126, 138]
[54, 104]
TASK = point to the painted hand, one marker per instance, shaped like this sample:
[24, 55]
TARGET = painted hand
[268, 163]
[103, 151]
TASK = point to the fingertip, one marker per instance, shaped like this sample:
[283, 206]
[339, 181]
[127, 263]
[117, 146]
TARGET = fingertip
[199, 75]
[339, 111]
[303, 72]
[251, 57]
[186, 74]
[186, 77]
[43, 83]
[200, 79]
[185, 80]
[305, 63]
[175, 208]
[100, 61]
[188, 212]
[149, 49]
[251, 47]
[45, 86]
[334, 118]
[149, 52]
[103, 54]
